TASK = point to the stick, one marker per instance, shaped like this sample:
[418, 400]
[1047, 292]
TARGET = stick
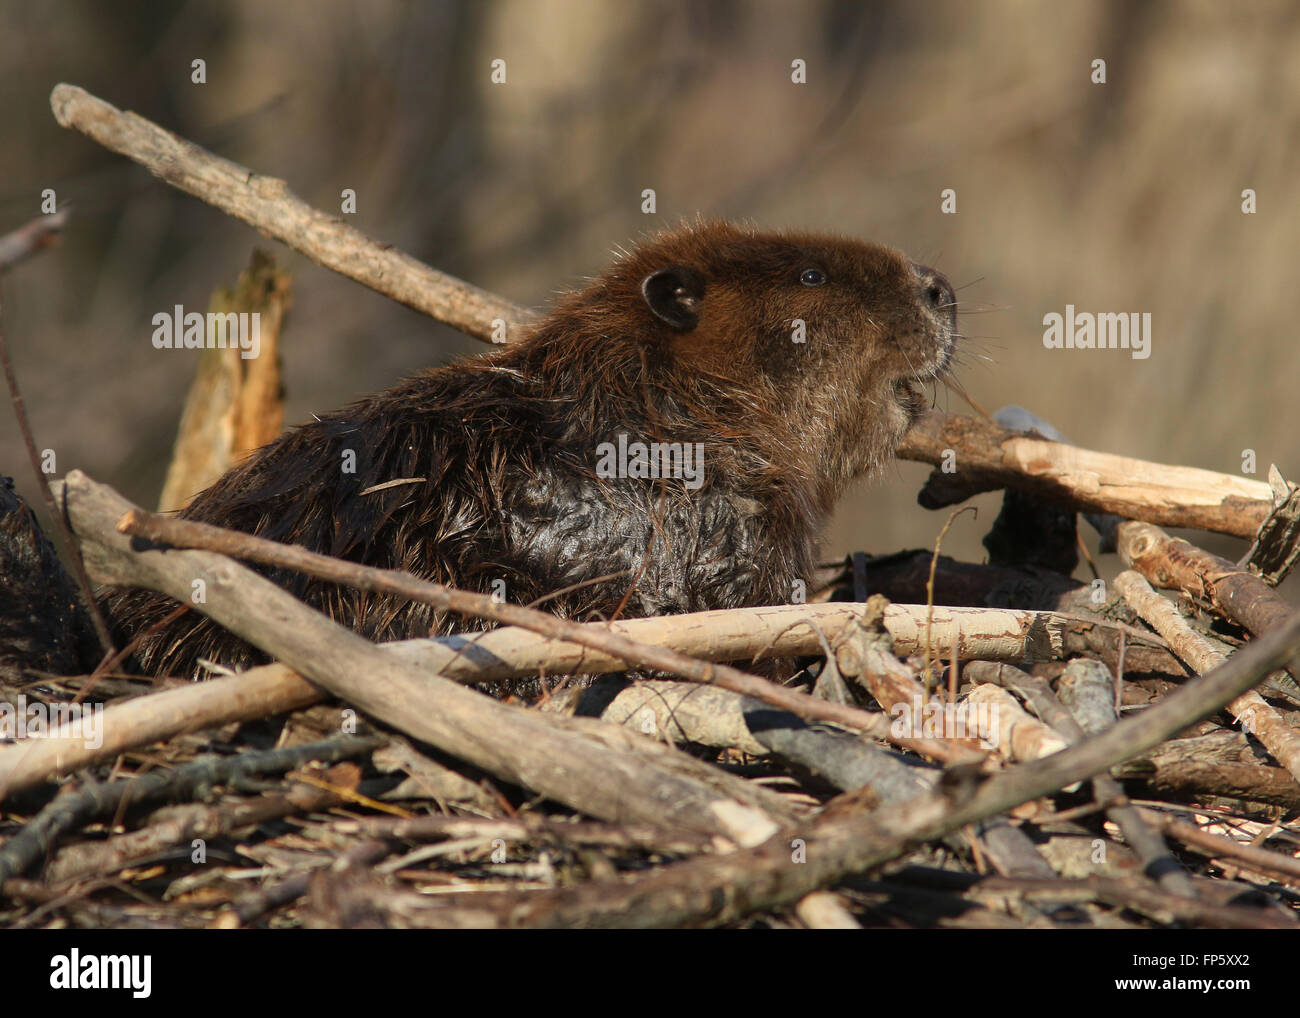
[267, 204]
[989, 457]
[1254, 712]
[257, 693]
[737, 634]
[1172, 562]
[32, 237]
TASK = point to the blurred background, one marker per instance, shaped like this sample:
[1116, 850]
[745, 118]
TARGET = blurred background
[1124, 196]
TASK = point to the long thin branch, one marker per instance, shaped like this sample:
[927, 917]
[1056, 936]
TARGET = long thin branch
[251, 695]
[267, 204]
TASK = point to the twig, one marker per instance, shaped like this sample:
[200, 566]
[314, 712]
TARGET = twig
[929, 594]
[31, 238]
[180, 825]
[1215, 845]
[1159, 904]
[67, 812]
[264, 899]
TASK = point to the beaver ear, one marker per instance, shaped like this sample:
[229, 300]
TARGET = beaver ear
[672, 294]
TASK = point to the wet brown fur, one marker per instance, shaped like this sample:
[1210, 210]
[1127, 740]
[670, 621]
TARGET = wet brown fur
[507, 445]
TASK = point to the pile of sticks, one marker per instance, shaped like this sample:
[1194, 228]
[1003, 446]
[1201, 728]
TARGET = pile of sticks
[988, 745]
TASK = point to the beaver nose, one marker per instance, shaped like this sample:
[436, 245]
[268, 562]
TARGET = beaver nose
[936, 291]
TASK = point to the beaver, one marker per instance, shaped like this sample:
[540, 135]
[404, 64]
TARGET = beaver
[669, 438]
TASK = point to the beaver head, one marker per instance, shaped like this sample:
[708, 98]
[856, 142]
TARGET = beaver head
[813, 344]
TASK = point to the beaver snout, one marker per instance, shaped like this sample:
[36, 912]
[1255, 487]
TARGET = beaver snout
[936, 292]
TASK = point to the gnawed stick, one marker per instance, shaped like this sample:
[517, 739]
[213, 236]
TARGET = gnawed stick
[1171, 562]
[267, 204]
[1256, 715]
[989, 457]
[739, 634]
[510, 652]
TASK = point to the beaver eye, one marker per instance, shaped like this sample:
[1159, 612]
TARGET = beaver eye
[812, 277]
